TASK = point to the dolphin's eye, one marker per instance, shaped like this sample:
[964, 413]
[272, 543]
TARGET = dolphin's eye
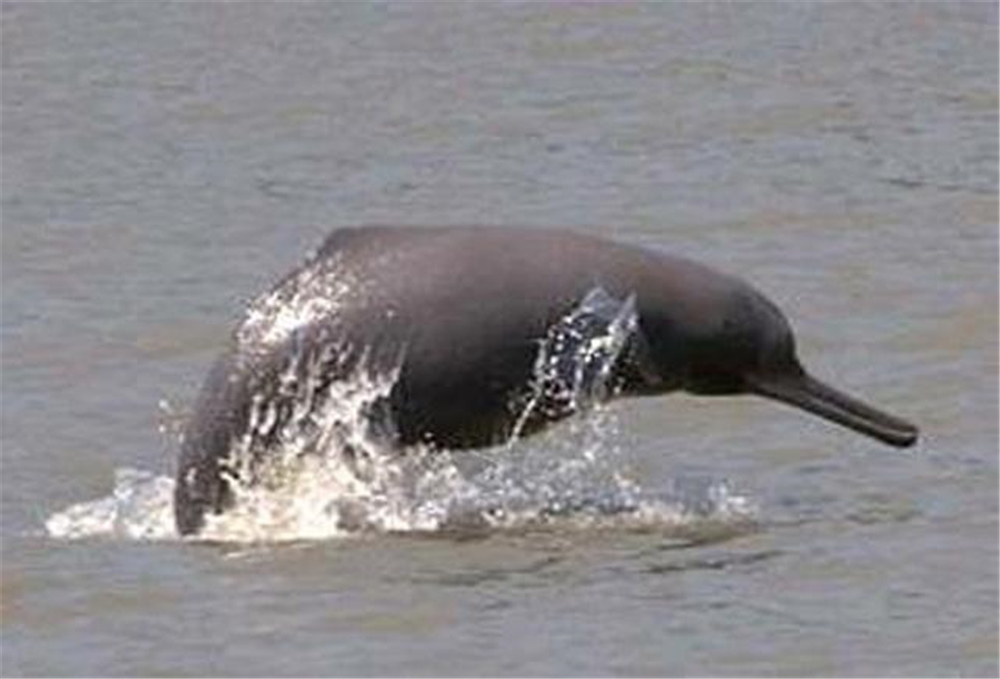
[777, 352]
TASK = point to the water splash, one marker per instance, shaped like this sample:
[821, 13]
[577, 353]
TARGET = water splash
[576, 359]
[311, 465]
[429, 493]
[315, 290]
[140, 507]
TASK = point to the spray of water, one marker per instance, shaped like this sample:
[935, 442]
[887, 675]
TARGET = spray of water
[310, 464]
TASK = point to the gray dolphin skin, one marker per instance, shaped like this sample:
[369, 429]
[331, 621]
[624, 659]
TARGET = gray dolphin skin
[458, 313]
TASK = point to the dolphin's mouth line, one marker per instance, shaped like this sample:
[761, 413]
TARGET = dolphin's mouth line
[808, 393]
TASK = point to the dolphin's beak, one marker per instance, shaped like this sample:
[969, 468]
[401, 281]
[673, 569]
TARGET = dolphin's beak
[810, 394]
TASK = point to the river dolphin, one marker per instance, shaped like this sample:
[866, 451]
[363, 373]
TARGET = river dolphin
[458, 314]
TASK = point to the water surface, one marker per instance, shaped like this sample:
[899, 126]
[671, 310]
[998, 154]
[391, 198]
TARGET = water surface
[164, 164]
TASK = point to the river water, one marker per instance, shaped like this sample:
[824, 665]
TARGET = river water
[164, 164]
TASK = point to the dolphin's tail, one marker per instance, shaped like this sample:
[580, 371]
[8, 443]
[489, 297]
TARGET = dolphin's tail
[808, 393]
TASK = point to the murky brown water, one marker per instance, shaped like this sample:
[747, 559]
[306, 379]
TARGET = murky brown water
[162, 164]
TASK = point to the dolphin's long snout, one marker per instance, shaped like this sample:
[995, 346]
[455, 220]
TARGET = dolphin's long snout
[810, 394]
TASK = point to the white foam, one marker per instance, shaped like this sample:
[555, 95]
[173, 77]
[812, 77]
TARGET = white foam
[140, 507]
[326, 501]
